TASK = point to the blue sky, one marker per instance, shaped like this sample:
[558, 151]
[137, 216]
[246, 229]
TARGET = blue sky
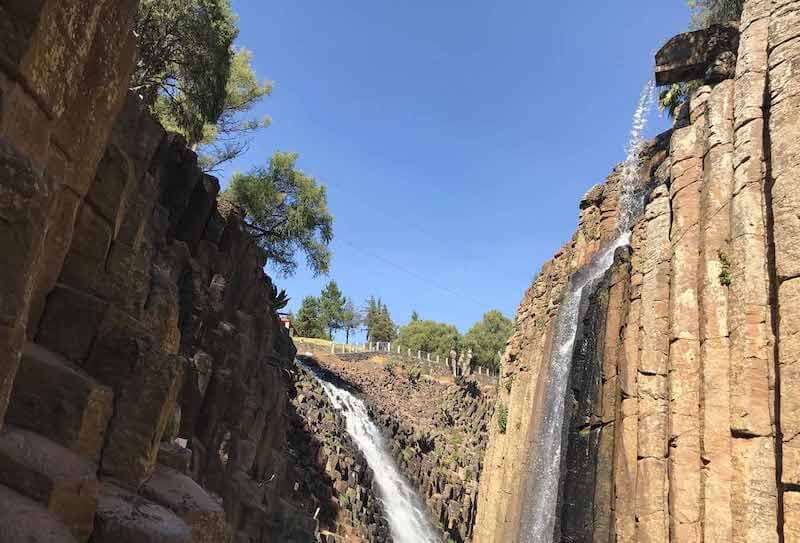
[455, 137]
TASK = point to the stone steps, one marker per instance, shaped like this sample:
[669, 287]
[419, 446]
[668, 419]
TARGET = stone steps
[58, 400]
[24, 520]
[44, 471]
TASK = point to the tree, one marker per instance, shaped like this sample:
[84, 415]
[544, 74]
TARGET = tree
[351, 319]
[308, 322]
[332, 307]
[487, 338]
[414, 316]
[286, 212]
[378, 322]
[185, 57]
[430, 337]
[230, 136]
[708, 12]
[194, 80]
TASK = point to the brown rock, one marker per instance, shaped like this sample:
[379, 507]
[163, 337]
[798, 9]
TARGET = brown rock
[125, 517]
[59, 401]
[23, 520]
[189, 501]
[142, 409]
[687, 56]
[52, 475]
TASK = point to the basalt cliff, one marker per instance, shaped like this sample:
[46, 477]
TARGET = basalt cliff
[682, 413]
[145, 379]
[148, 392]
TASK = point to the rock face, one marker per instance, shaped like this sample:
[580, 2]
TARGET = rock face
[691, 55]
[437, 432]
[682, 416]
[144, 374]
[332, 473]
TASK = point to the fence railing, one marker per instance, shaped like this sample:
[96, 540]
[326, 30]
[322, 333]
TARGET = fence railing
[450, 365]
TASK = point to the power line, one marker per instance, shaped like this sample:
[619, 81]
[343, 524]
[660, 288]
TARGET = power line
[412, 273]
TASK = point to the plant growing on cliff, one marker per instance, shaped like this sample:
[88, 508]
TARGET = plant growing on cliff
[185, 55]
[194, 80]
[708, 12]
[286, 212]
[725, 273]
[502, 418]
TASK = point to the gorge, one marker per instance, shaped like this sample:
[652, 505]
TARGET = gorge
[149, 391]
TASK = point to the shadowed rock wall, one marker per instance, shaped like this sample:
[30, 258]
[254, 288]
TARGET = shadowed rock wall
[696, 403]
[144, 374]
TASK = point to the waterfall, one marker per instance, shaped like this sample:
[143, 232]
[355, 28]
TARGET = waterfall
[541, 492]
[404, 509]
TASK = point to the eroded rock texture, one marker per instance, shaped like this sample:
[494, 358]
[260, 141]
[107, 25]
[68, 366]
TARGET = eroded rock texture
[144, 375]
[684, 417]
[437, 432]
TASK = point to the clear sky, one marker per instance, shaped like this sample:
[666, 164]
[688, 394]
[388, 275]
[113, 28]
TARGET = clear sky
[455, 137]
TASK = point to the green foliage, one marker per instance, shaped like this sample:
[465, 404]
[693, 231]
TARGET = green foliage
[509, 383]
[708, 12]
[194, 80]
[389, 365]
[332, 307]
[351, 319]
[502, 418]
[414, 374]
[378, 321]
[277, 300]
[414, 316]
[704, 14]
[286, 212]
[185, 57]
[230, 135]
[725, 273]
[429, 336]
[308, 322]
[487, 339]
[673, 96]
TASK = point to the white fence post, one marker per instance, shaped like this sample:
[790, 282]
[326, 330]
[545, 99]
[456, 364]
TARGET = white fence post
[333, 348]
[419, 355]
[429, 357]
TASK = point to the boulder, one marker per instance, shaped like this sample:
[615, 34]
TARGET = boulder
[689, 56]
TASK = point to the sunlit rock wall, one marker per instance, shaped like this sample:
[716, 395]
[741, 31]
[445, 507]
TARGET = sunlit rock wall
[697, 405]
[144, 383]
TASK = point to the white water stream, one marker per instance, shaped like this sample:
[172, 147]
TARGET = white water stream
[404, 509]
[541, 493]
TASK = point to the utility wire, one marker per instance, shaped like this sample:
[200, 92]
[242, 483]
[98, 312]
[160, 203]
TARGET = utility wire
[412, 273]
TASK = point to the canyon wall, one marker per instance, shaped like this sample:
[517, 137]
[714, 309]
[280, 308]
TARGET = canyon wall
[144, 375]
[683, 405]
[436, 431]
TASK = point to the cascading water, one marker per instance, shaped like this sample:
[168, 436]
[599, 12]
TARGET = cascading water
[404, 510]
[541, 493]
